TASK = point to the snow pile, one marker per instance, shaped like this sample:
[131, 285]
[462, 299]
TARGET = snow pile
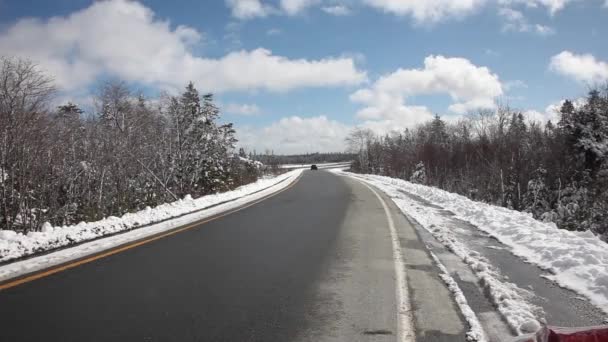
[15, 245]
[510, 300]
[476, 332]
[577, 260]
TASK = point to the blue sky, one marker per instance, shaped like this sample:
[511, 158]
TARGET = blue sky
[297, 75]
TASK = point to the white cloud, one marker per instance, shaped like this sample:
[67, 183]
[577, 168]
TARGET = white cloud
[511, 15]
[423, 12]
[542, 117]
[552, 111]
[544, 30]
[242, 109]
[583, 68]
[247, 9]
[247, 70]
[295, 7]
[470, 87]
[296, 134]
[124, 39]
[515, 21]
[428, 11]
[337, 10]
[390, 119]
[553, 6]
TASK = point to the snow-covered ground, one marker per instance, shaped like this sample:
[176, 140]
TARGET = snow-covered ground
[149, 221]
[574, 260]
[476, 331]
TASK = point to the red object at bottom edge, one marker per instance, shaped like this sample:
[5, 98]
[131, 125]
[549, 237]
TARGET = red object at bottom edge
[557, 334]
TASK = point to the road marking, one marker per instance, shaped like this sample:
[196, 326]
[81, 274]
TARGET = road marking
[86, 260]
[405, 328]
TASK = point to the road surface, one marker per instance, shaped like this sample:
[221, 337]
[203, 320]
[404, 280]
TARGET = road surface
[313, 263]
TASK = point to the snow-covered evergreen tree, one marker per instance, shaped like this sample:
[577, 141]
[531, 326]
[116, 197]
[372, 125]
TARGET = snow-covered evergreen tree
[419, 175]
[536, 199]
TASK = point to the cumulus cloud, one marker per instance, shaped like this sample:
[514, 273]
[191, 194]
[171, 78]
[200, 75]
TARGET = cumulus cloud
[242, 109]
[124, 39]
[295, 7]
[542, 117]
[247, 70]
[428, 11]
[296, 134]
[515, 21]
[470, 87]
[552, 111]
[583, 67]
[337, 10]
[247, 9]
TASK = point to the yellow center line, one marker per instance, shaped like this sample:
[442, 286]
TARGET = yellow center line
[53, 270]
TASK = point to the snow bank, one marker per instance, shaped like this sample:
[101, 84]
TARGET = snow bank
[15, 245]
[476, 332]
[576, 260]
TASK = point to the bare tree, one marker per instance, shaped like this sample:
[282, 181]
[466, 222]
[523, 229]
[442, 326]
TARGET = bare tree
[557, 173]
[24, 95]
[62, 166]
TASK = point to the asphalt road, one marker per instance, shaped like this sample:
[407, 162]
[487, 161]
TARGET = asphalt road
[313, 263]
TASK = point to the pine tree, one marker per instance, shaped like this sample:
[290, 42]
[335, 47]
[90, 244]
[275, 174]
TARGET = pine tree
[438, 132]
[419, 175]
[536, 199]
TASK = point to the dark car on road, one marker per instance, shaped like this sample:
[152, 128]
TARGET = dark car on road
[313, 167]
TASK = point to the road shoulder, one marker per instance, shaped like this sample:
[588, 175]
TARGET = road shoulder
[436, 314]
[359, 283]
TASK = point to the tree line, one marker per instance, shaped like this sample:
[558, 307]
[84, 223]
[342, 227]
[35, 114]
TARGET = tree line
[64, 166]
[269, 158]
[558, 172]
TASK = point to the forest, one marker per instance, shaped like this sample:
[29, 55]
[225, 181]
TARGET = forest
[63, 166]
[309, 158]
[556, 171]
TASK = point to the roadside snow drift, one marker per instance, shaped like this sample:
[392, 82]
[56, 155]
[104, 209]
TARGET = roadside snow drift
[576, 260]
[149, 221]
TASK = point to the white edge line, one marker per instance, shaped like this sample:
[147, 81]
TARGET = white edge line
[405, 327]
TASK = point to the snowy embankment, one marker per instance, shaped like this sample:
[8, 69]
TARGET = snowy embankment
[476, 332]
[576, 260]
[149, 221]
